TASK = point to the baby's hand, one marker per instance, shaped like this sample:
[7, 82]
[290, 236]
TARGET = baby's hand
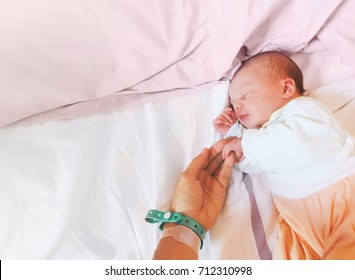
[234, 146]
[225, 120]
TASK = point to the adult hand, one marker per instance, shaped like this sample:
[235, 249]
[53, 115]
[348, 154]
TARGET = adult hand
[201, 190]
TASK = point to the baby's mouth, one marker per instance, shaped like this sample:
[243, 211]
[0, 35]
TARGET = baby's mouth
[243, 117]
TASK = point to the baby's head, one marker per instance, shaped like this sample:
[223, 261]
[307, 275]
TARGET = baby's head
[263, 84]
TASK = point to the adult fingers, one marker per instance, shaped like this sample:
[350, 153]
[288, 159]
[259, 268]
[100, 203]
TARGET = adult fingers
[223, 173]
[215, 158]
[197, 164]
[214, 164]
[217, 147]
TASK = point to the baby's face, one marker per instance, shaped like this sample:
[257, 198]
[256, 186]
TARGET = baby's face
[255, 96]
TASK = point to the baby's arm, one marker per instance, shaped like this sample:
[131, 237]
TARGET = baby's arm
[225, 121]
[234, 146]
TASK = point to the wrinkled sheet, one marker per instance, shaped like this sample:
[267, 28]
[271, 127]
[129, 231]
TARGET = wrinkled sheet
[63, 60]
[80, 189]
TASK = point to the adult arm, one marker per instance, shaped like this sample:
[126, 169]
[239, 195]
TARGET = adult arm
[199, 194]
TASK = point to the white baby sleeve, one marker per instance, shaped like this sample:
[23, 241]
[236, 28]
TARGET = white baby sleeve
[304, 136]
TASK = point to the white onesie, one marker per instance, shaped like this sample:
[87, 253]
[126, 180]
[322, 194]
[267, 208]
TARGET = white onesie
[301, 149]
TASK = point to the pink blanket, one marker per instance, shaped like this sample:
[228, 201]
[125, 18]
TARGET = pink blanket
[63, 60]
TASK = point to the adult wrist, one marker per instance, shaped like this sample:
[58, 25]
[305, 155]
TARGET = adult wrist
[183, 235]
[156, 216]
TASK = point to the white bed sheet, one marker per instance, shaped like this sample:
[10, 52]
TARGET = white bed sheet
[80, 189]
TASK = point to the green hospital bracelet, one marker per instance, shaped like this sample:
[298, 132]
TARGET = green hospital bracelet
[156, 216]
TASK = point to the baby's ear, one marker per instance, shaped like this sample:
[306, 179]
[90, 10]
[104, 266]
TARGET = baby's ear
[289, 87]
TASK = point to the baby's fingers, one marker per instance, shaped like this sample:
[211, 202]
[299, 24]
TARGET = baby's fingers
[221, 120]
[218, 121]
[228, 109]
[228, 117]
[231, 114]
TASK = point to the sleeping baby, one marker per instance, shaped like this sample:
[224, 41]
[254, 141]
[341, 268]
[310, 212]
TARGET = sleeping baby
[306, 155]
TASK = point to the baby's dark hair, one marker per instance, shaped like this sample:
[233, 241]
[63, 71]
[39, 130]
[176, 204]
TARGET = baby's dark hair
[277, 65]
